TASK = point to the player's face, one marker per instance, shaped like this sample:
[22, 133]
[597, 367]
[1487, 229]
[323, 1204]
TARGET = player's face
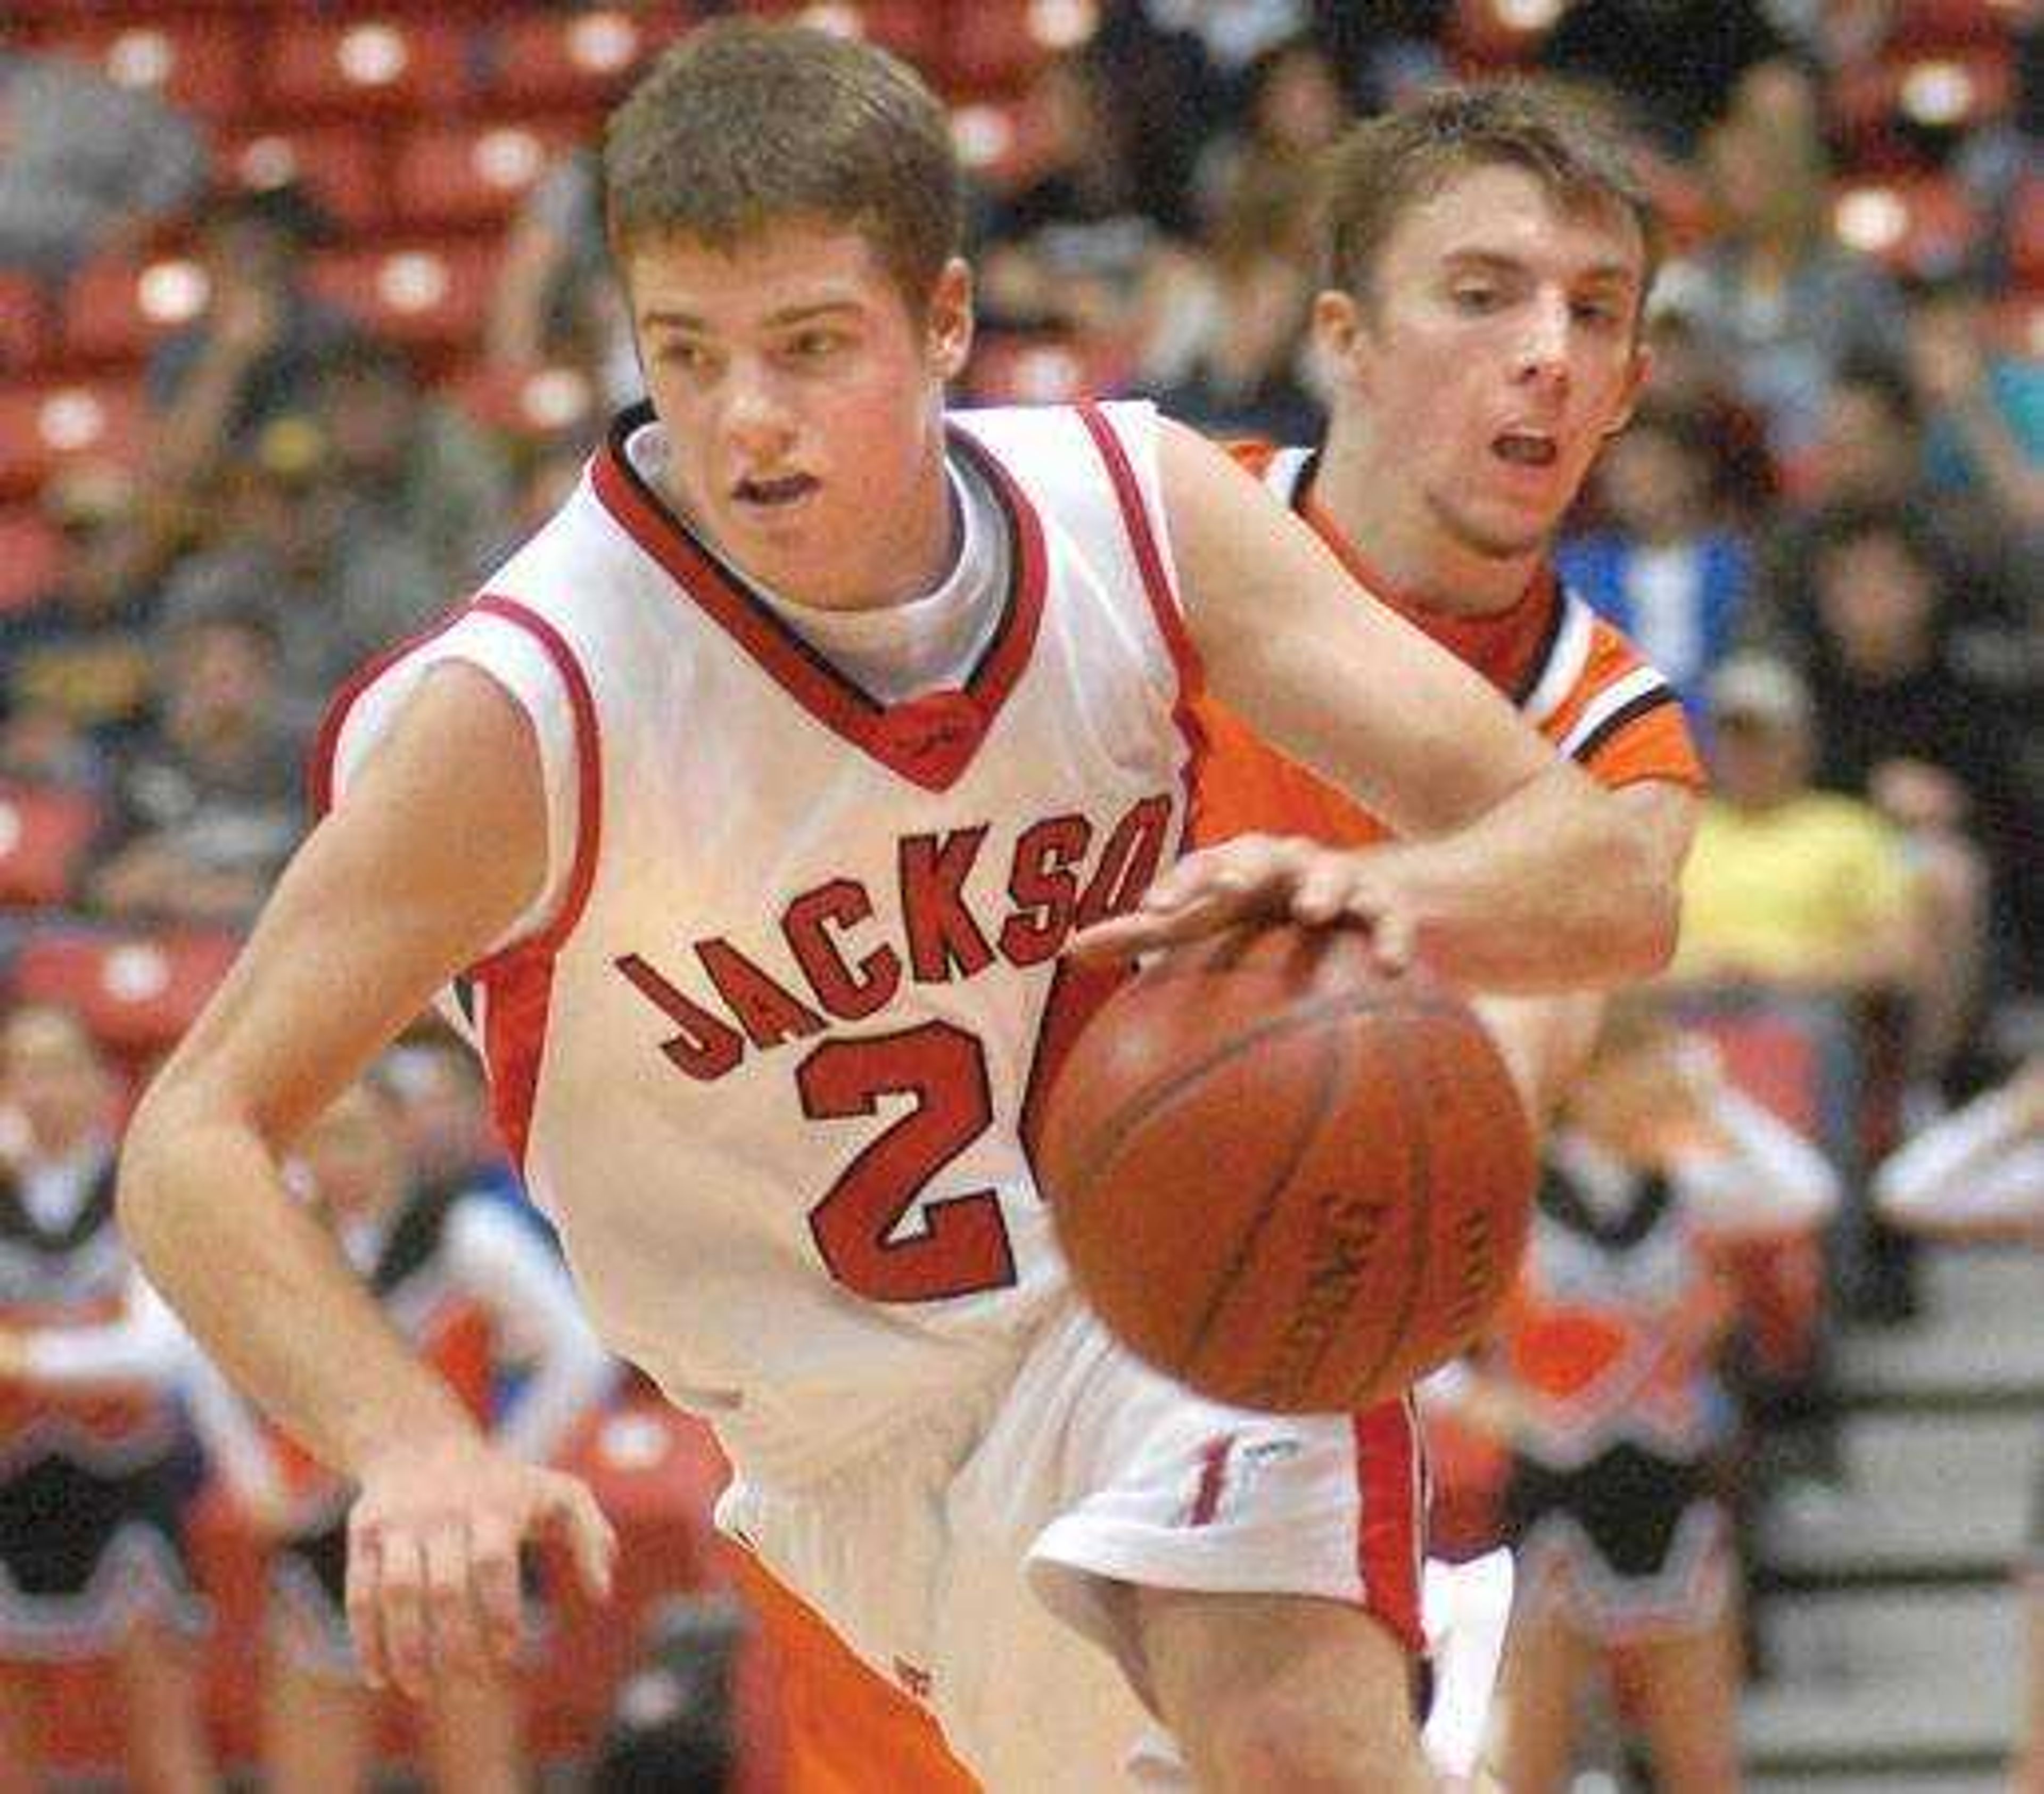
[805, 399]
[1497, 349]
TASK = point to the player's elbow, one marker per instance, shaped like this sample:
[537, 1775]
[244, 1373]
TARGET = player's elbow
[154, 1185]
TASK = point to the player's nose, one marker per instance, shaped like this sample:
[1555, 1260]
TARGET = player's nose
[755, 420]
[1541, 354]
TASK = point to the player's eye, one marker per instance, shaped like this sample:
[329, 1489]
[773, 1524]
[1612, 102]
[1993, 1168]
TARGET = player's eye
[816, 345]
[1599, 314]
[1477, 298]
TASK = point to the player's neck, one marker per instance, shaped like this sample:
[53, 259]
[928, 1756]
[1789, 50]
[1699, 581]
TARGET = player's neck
[1404, 545]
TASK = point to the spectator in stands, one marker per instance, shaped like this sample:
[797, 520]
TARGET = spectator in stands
[1870, 454]
[1789, 888]
[1062, 244]
[1231, 356]
[1984, 409]
[556, 298]
[95, 1467]
[468, 1284]
[86, 166]
[442, 1106]
[1978, 1175]
[1296, 104]
[284, 551]
[1674, 61]
[1902, 721]
[82, 651]
[254, 352]
[208, 799]
[409, 465]
[1601, 1379]
[1670, 568]
[1783, 302]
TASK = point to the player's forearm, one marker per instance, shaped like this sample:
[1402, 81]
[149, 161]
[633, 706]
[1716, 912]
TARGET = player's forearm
[1555, 889]
[264, 1290]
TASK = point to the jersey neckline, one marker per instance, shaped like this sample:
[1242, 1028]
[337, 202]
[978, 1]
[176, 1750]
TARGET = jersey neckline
[929, 738]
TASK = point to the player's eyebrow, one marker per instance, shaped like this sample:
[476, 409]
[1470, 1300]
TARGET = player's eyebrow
[1492, 261]
[787, 315]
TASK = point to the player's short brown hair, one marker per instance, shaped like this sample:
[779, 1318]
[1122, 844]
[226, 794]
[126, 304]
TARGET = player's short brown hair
[1570, 142]
[744, 125]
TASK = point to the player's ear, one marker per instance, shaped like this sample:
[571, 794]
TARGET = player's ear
[1636, 377]
[949, 328]
[1337, 319]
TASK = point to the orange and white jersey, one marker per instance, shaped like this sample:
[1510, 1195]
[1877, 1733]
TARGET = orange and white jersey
[769, 1048]
[1574, 678]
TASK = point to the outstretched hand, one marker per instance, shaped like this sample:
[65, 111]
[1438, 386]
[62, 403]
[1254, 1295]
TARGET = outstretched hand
[1263, 878]
[433, 1540]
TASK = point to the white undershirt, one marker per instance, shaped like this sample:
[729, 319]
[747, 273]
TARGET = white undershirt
[927, 643]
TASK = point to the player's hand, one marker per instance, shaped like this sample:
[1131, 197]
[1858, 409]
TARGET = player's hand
[1263, 878]
[433, 1540]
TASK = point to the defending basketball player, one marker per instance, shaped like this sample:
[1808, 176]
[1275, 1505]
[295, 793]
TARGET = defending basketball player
[1489, 249]
[743, 822]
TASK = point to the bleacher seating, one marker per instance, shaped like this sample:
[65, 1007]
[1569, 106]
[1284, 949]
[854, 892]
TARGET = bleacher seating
[45, 424]
[44, 834]
[138, 991]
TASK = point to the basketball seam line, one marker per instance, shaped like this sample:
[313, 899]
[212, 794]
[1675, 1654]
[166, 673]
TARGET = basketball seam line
[1112, 1131]
[1260, 1219]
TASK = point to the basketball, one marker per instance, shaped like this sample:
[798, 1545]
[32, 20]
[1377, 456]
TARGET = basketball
[1287, 1179]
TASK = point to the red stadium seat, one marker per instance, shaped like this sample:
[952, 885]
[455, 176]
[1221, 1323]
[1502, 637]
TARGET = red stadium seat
[1923, 225]
[535, 405]
[1021, 371]
[426, 295]
[1875, 103]
[340, 166]
[1951, 25]
[471, 175]
[2016, 326]
[44, 832]
[1486, 34]
[32, 555]
[2026, 235]
[24, 323]
[365, 65]
[911, 29]
[580, 59]
[45, 424]
[998, 45]
[197, 64]
[117, 309]
[137, 993]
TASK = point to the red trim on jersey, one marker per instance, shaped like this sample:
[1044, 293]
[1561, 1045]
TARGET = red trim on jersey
[1390, 1539]
[589, 769]
[929, 738]
[1157, 588]
[1149, 556]
[326, 742]
[1077, 993]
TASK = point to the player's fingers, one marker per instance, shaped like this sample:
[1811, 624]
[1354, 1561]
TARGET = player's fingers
[1144, 930]
[573, 1511]
[493, 1545]
[401, 1605]
[365, 1619]
[1321, 892]
[454, 1641]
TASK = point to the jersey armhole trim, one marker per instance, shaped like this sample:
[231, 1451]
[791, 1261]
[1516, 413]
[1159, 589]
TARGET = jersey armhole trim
[1149, 557]
[589, 779]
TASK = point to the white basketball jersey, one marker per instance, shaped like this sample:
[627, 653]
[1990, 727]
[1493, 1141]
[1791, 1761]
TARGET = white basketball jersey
[772, 1051]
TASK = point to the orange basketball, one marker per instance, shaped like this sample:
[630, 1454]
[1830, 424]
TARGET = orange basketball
[1287, 1179]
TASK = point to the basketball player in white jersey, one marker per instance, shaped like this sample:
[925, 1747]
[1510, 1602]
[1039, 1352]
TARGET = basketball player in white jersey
[744, 820]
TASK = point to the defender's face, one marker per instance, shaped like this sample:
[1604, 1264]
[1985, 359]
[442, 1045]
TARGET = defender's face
[804, 400]
[1495, 351]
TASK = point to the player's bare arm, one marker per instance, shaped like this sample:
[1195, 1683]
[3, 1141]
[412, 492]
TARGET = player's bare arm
[408, 881]
[1526, 877]
[1547, 1040]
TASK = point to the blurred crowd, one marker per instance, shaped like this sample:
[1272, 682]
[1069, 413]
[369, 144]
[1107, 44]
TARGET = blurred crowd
[1823, 526]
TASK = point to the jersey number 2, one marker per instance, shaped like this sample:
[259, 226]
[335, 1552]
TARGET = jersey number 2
[962, 1247]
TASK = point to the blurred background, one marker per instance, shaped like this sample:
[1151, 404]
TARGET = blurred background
[304, 317]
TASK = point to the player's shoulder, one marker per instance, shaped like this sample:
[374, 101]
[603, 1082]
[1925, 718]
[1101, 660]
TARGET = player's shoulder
[1056, 428]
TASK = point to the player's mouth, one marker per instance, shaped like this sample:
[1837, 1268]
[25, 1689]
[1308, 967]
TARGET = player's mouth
[776, 494]
[1526, 448]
